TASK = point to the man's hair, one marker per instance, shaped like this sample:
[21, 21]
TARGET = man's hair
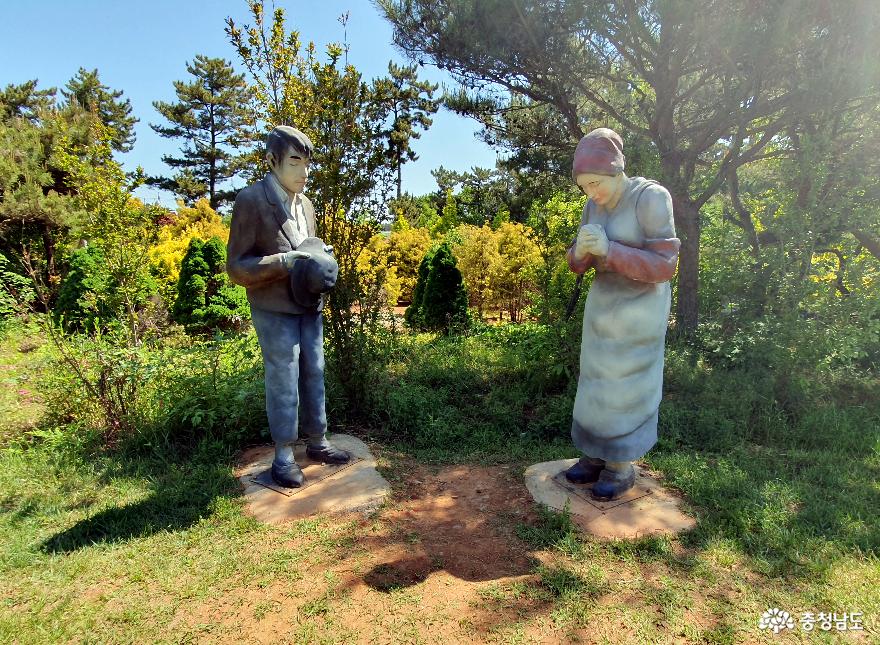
[283, 137]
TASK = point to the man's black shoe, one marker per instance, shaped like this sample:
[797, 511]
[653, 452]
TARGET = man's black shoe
[585, 471]
[287, 475]
[328, 454]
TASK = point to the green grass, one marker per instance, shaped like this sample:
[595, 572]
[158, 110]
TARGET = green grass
[149, 542]
[22, 352]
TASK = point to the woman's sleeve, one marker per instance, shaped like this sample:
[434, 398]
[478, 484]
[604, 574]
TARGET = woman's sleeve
[579, 266]
[656, 261]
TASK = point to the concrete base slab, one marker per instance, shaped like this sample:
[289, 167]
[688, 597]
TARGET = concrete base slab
[646, 509]
[328, 488]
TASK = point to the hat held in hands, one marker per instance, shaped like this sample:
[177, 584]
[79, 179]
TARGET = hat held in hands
[310, 279]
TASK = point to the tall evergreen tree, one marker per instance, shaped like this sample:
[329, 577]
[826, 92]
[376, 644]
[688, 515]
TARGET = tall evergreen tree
[86, 90]
[25, 101]
[213, 119]
[35, 206]
[410, 104]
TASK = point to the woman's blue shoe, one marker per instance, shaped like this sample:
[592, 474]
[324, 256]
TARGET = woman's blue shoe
[585, 471]
[612, 484]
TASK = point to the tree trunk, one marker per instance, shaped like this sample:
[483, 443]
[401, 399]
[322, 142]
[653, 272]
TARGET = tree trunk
[871, 243]
[758, 287]
[687, 227]
[49, 247]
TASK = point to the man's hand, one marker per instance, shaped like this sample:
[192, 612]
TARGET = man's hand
[287, 259]
[591, 239]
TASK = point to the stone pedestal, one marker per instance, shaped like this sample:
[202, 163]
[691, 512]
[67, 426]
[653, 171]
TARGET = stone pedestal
[646, 509]
[328, 488]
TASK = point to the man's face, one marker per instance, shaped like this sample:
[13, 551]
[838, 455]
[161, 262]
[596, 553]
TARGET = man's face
[292, 170]
[602, 189]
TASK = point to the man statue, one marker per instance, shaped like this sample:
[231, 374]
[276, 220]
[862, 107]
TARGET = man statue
[274, 254]
[627, 235]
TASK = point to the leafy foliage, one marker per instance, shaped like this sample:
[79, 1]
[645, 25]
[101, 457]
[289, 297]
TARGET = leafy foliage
[479, 261]
[16, 292]
[736, 78]
[81, 301]
[406, 248]
[120, 225]
[176, 230]
[35, 216]
[350, 179]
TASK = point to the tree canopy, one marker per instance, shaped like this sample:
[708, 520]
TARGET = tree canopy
[710, 86]
[88, 92]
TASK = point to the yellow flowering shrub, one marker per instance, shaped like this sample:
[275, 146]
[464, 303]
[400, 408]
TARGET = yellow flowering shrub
[199, 221]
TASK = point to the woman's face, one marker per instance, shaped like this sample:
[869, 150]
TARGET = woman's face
[602, 189]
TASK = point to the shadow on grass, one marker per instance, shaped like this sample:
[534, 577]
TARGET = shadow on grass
[183, 493]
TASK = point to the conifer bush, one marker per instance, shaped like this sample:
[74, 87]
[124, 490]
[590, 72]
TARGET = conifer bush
[413, 313]
[77, 305]
[440, 301]
[82, 300]
[206, 300]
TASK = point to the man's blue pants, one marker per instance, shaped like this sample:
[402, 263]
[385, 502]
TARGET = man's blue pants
[293, 358]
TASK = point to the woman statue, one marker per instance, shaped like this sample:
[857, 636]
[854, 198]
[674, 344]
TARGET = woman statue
[627, 235]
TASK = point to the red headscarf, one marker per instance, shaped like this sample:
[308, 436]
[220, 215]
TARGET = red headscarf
[600, 152]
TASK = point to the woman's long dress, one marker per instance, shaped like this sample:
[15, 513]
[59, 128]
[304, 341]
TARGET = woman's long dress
[624, 329]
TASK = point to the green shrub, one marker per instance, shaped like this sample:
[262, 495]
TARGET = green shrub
[80, 304]
[440, 301]
[16, 292]
[206, 300]
[90, 298]
[208, 390]
[413, 315]
[176, 394]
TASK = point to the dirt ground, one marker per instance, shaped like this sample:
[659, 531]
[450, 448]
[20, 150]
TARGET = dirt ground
[426, 568]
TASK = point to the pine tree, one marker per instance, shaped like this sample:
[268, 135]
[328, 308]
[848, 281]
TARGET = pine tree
[213, 119]
[25, 101]
[86, 91]
[410, 103]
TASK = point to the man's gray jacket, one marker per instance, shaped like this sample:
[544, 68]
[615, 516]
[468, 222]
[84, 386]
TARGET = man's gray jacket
[261, 232]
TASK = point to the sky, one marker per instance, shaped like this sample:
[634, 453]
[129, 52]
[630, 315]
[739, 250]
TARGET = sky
[142, 47]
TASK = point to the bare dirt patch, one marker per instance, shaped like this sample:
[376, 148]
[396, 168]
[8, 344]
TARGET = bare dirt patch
[422, 569]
